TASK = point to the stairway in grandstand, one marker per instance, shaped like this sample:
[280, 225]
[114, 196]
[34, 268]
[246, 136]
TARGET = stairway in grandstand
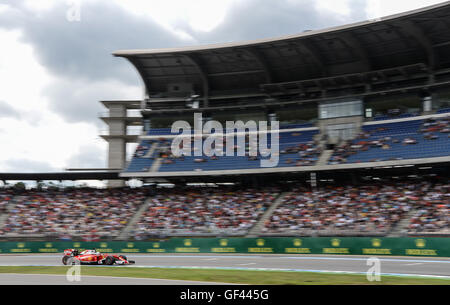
[144, 162]
[402, 226]
[254, 232]
[291, 136]
[156, 165]
[324, 157]
[152, 150]
[129, 227]
[4, 217]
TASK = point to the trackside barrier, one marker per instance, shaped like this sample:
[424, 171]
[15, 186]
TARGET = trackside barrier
[438, 247]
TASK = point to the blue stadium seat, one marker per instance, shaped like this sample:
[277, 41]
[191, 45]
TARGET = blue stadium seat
[189, 163]
[424, 148]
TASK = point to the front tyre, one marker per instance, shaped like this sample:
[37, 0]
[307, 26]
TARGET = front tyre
[109, 260]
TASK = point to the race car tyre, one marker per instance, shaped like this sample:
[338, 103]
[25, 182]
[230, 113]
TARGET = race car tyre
[64, 259]
[109, 260]
[70, 261]
[132, 262]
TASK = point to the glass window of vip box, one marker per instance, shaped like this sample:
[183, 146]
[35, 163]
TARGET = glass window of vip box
[332, 110]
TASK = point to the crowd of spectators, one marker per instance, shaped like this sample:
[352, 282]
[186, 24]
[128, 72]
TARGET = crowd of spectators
[365, 140]
[218, 150]
[432, 213]
[92, 214]
[203, 210]
[308, 154]
[434, 126]
[141, 150]
[370, 208]
[86, 213]
[395, 113]
[5, 199]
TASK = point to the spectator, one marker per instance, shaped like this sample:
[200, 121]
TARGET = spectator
[73, 213]
[204, 210]
[370, 208]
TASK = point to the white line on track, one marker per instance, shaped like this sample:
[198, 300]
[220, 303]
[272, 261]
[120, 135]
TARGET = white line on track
[296, 270]
[365, 259]
[265, 269]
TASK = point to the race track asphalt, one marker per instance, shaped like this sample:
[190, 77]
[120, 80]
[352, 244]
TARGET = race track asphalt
[411, 266]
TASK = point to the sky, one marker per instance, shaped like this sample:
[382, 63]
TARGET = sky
[56, 63]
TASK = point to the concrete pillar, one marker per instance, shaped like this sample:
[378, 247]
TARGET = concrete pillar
[117, 111]
[116, 153]
[427, 104]
[117, 145]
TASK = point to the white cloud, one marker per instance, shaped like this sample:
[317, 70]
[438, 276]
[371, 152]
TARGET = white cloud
[52, 140]
[201, 15]
[21, 76]
[340, 7]
[39, 5]
[382, 8]
[3, 8]
[37, 134]
[79, 100]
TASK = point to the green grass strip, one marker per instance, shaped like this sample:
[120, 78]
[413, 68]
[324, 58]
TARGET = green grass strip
[230, 276]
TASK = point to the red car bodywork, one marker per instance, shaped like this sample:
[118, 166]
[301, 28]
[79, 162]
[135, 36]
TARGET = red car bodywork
[92, 257]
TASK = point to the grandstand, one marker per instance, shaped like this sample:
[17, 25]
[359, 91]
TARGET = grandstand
[326, 88]
[349, 100]
[360, 114]
[397, 140]
[408, 206]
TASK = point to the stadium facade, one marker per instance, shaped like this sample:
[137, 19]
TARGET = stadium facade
[325, 87]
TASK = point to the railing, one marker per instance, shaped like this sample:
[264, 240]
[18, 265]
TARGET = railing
[318, 233]
[107, 132]
[104, 235]
[188, 232]
[129, 114]
[218, 233]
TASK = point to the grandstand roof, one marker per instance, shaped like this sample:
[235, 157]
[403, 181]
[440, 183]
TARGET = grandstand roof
[417, 37]
[73, 176]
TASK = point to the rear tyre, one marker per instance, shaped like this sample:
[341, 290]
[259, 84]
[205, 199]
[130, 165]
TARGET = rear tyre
[70, 261]
[64, 259]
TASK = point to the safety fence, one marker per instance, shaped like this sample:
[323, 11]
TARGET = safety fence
[271, 245]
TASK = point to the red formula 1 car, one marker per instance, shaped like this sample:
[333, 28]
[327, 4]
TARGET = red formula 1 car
[92, 257]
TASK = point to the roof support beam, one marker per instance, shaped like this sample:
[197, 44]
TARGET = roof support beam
[177, 76]
[141, 72]
[362, 52]
[203, 74]
[259, 57]
[167, 66]
[235, 73]
[417, 33]
[307, 47]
